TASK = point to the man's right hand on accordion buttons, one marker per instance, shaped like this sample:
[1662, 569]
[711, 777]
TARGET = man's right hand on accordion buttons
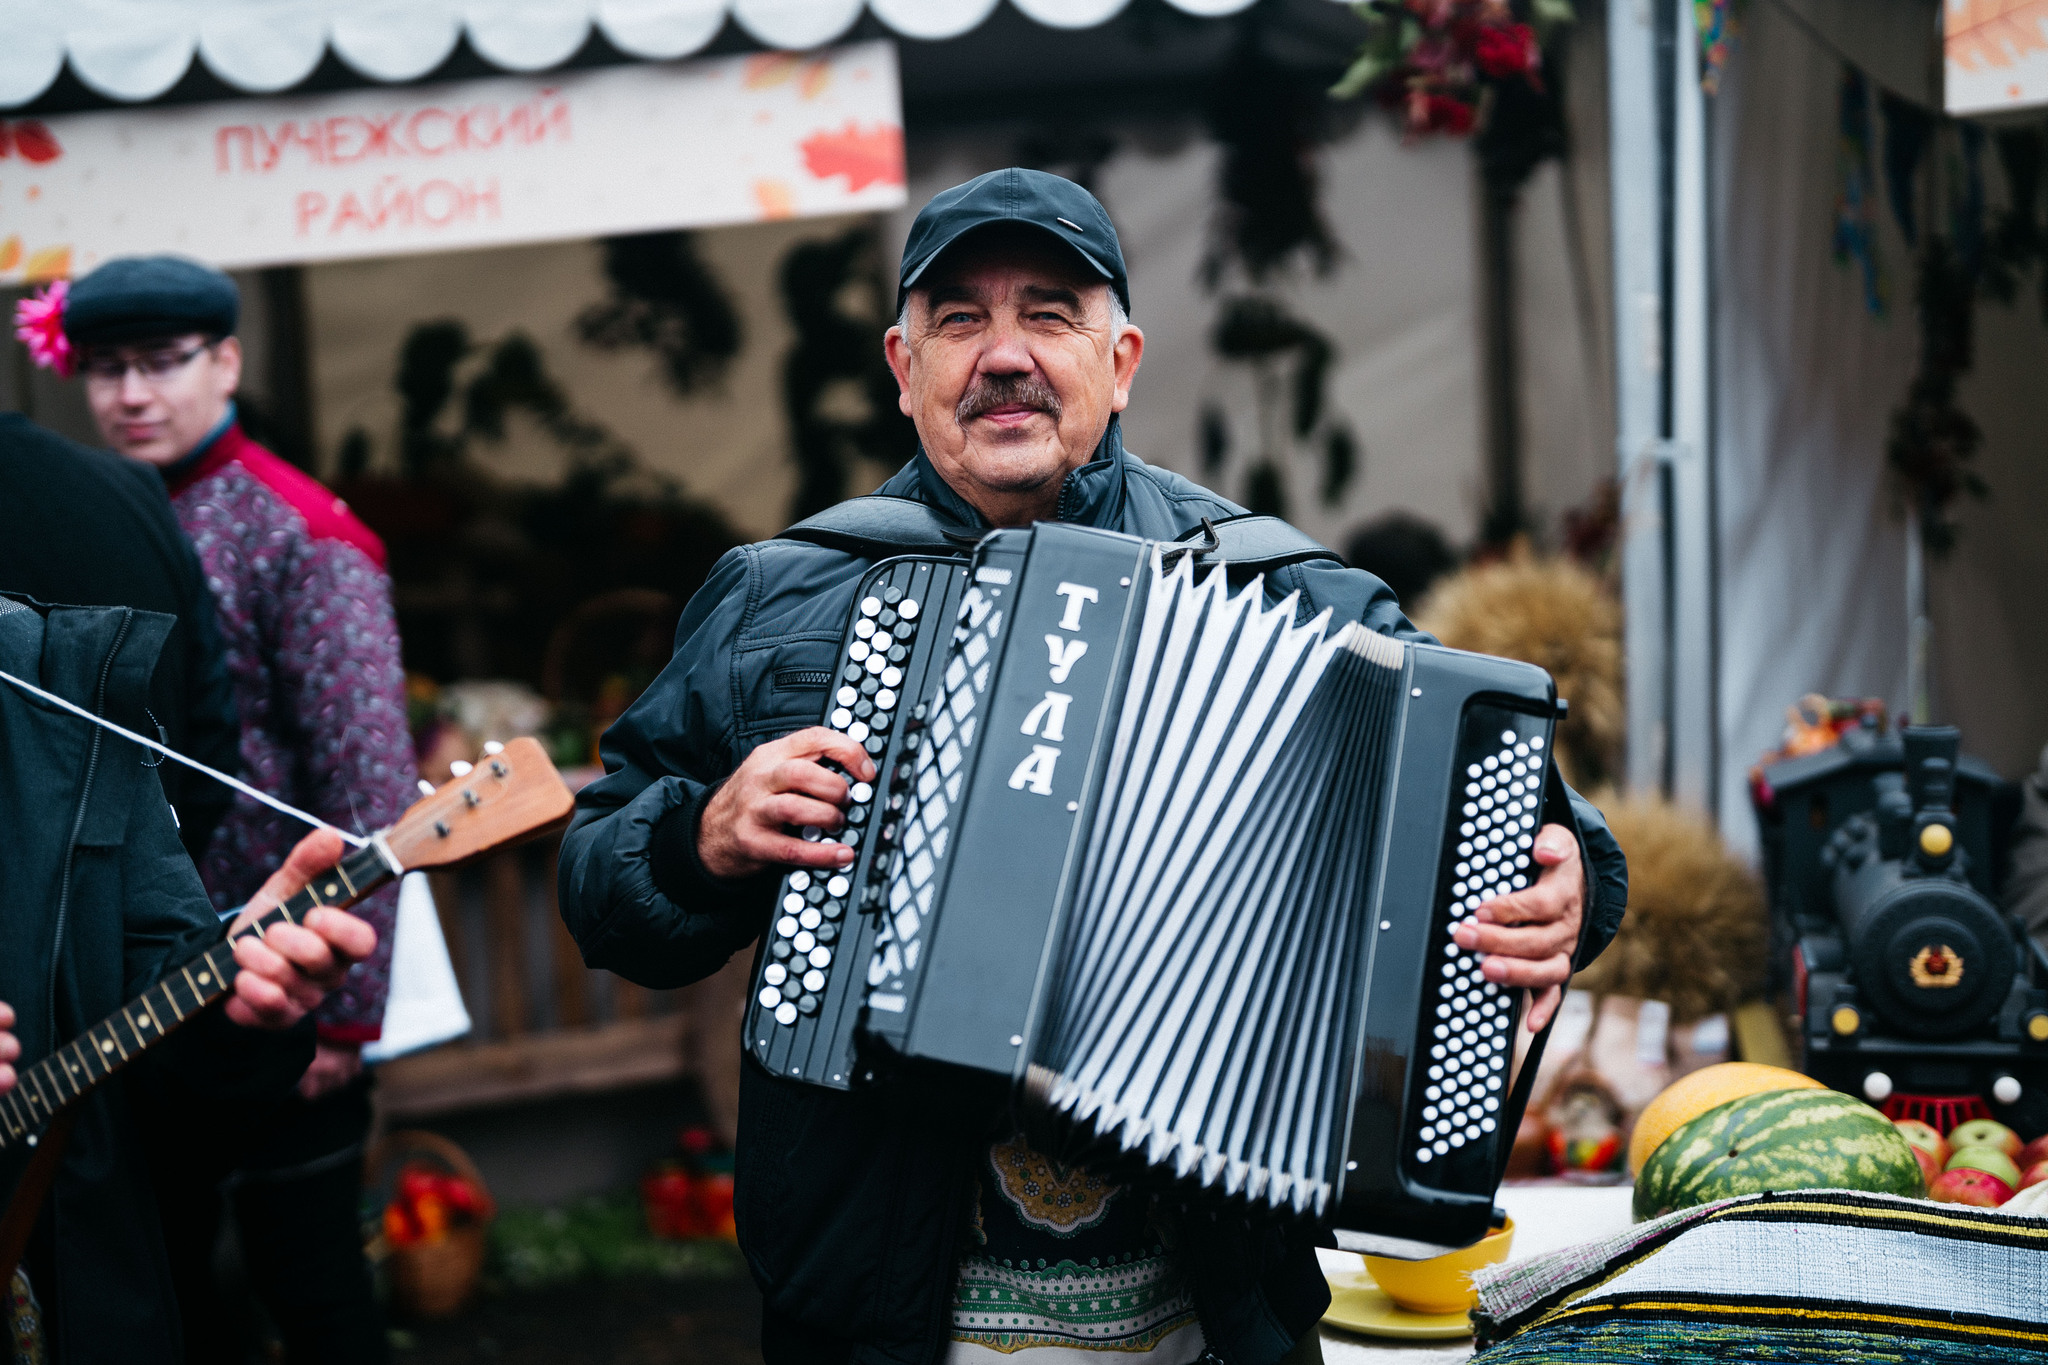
[780, 787]
[1528, 936]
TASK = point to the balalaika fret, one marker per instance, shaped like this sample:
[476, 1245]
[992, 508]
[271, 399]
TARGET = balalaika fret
[1184, 871]
[79, 1065]
[512, 794]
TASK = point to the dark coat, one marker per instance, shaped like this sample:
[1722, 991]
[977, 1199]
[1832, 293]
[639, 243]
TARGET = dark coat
[100, 900]
[93, 529]
[852, 1206]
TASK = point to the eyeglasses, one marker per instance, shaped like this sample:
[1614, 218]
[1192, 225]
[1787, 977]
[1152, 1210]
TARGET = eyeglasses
[154, 367]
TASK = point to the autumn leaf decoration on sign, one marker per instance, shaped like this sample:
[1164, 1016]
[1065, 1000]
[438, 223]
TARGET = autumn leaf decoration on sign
[870, 157]
[1994, 33]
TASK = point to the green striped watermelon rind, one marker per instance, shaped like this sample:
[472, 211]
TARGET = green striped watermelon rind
[1779, 1140]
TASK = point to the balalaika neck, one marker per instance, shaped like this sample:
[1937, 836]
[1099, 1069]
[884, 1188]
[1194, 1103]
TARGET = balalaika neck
[68, 1073]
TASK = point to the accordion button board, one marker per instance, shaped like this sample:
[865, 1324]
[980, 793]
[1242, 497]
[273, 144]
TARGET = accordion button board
[809, 988]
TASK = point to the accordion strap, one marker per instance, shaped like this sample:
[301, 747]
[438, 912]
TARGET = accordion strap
[878, 526]
[1518, 1096]
[1253, 543]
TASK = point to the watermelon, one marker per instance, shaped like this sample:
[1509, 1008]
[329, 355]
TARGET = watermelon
[1779, 1140]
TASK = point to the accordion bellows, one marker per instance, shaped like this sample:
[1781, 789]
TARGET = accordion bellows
[1212, 922]
[1184, 869]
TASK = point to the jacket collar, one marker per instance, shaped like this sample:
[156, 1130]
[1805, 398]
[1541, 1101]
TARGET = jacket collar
[225, 445]
[1090, 495]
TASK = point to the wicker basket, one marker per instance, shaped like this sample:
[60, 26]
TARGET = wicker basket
[432, 1279]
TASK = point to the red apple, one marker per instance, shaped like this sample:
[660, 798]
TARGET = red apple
[2036, 1173]
[1924, 1138]
[1967, 1185]
[1985, 1133]
[1989, 1160]
[1928, 1168]
[2033, 1153]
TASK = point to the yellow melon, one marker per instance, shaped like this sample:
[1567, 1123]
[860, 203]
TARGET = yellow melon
[1686, 1098]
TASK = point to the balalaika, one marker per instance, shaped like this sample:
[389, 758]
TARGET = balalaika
[1184, 870]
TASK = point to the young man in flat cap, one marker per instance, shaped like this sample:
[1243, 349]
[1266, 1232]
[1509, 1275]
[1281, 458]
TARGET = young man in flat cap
[883, 1222]
[304, 607]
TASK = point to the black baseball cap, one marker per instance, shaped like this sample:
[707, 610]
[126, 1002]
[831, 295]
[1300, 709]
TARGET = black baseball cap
[142, 298]
[1051, 203]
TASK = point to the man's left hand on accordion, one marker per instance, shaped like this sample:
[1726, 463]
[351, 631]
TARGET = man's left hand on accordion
[1528, 936]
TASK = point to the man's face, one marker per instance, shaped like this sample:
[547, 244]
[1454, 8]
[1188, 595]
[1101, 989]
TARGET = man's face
[155, 400]
[1010, 366]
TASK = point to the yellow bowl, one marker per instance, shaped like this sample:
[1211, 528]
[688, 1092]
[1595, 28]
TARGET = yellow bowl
[1441, 1284]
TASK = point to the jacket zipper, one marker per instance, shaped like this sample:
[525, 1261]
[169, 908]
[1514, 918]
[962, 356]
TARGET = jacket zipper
[92, 763]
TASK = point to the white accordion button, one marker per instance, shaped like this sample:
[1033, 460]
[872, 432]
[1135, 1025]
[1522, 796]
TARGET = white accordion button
[775, 974]
[785, 1013]
[870, 606]
[907, 609]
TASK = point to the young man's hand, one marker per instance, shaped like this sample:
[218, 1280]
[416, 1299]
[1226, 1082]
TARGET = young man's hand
[289, 971]
[781, 786]
[1529, 936]
[334, 1066]
[10, 1047]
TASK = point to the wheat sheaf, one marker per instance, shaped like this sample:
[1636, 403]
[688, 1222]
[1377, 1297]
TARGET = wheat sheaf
[1993, 33]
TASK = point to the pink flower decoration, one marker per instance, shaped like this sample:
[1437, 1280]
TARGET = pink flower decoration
[39, 322]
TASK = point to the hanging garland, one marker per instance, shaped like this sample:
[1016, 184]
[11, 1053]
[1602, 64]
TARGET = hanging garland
[1439, 64]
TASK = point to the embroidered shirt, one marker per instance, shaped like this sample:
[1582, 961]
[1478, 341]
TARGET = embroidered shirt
[1065, 1266]
[304, 606]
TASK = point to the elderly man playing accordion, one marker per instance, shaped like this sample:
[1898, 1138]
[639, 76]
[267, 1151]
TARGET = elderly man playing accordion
[867, 1215]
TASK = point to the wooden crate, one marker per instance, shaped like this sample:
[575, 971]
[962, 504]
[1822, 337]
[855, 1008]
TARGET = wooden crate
[545, 1025]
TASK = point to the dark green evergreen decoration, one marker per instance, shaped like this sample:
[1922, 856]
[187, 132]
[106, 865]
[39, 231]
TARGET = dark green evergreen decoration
[1932, 438]
[1269, 122]
[836, 385]
[1290, 360]
[1270, 225]
[1074, 151]
[1496, 71]
[1963, 251]
[2017, 241]
[483, 569]
[425, 382]
[665, 299]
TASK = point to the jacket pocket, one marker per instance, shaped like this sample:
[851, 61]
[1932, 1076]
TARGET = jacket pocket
[801, 679]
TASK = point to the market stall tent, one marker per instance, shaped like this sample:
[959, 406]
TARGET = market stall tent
[138, 49]
[1760, 365]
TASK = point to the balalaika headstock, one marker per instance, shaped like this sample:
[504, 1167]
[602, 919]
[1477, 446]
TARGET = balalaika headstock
[509, 795]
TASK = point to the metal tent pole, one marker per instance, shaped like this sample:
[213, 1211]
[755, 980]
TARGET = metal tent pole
[1663, 397]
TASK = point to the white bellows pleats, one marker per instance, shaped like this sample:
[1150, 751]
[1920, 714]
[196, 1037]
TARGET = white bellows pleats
[1208, 977]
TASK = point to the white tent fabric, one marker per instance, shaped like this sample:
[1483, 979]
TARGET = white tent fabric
[1812, 545]
[138, 49]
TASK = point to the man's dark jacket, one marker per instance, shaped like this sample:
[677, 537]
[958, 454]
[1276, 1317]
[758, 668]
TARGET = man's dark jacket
[853, 1206]
[97, 901]
[92, 529]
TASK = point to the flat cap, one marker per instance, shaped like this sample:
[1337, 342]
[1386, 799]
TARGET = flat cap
[136, 298]
[1051, 203]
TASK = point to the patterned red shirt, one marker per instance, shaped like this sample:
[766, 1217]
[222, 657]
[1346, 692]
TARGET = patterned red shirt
[312, 648]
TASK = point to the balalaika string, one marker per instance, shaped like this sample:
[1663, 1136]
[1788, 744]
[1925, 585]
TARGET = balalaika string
[283, 807]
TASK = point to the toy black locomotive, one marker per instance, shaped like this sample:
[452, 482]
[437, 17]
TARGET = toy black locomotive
[1881, 856]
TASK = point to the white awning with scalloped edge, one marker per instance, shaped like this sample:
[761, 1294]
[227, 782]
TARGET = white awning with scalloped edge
[137, 49]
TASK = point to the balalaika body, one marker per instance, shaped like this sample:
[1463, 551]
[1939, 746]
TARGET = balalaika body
[1181, 868]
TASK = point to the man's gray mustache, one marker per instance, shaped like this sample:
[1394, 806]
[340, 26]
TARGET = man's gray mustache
[1003, 393]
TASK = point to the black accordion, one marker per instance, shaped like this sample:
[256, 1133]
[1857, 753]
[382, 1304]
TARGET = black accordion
[1181, 868]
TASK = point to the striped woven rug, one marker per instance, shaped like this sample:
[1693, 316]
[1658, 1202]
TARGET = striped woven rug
[1821, 1276]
